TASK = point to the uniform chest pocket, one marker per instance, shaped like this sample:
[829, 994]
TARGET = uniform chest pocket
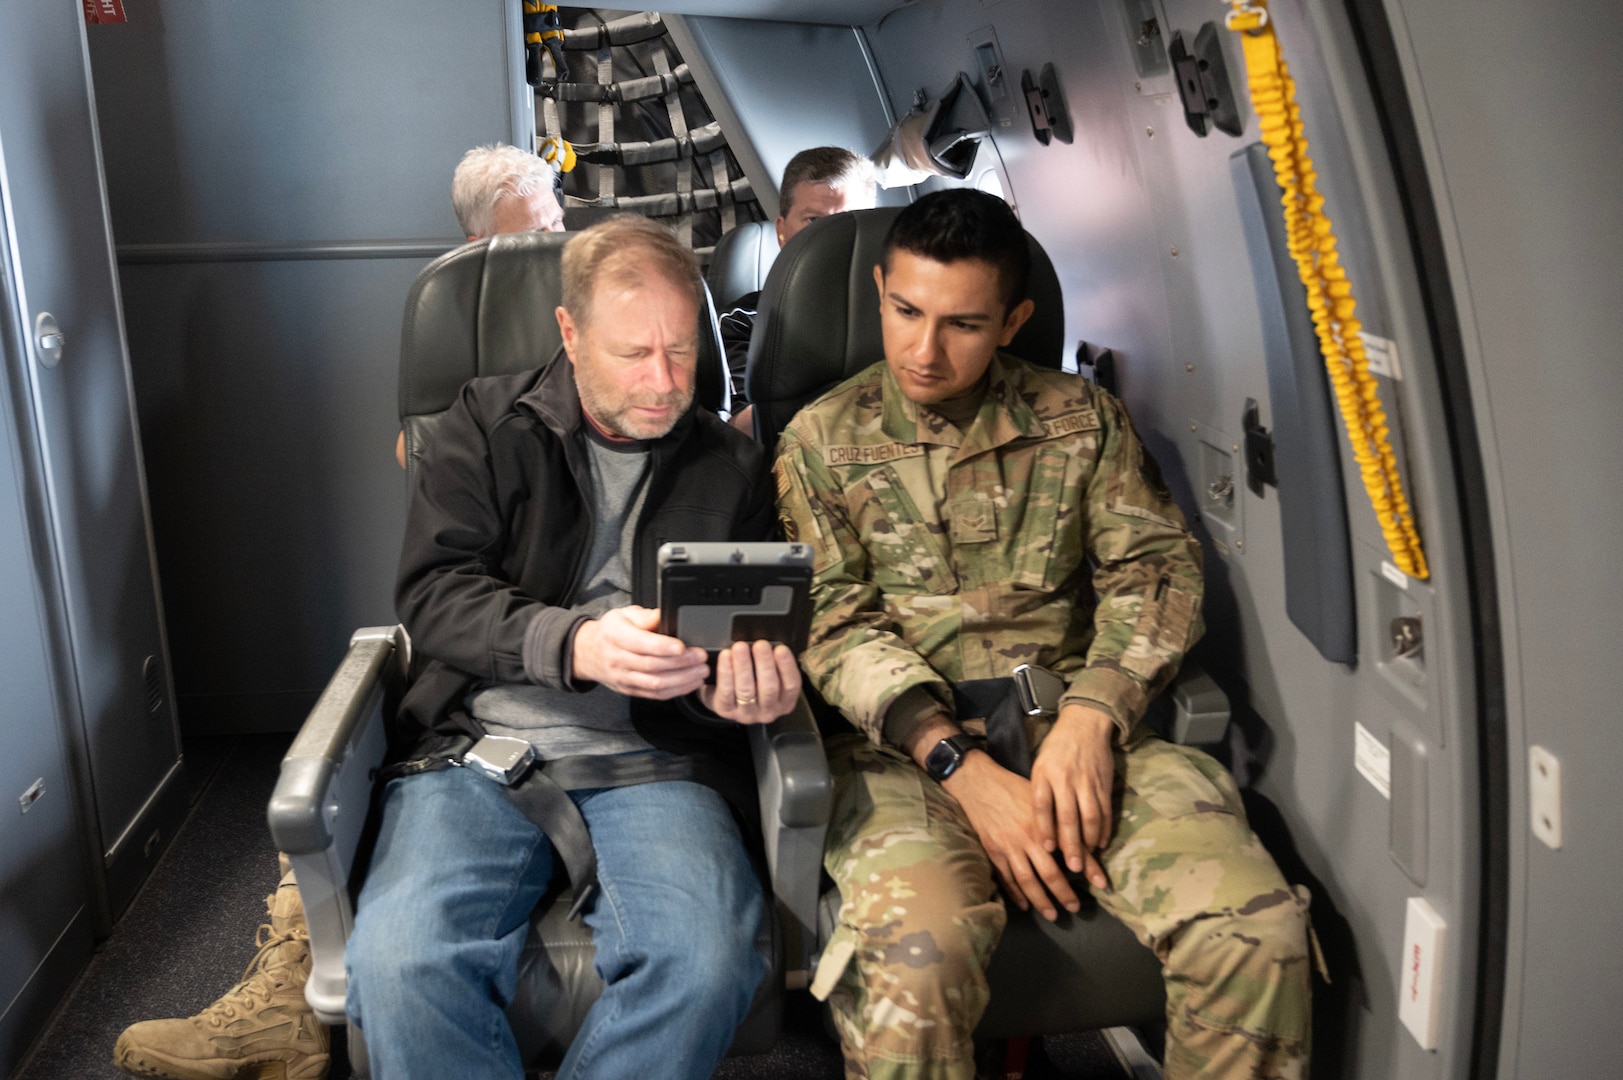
[905, 545]
[1045, 512]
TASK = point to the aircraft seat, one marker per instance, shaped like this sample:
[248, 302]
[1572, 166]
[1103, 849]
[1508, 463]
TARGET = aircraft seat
[819, 316]
[819, 324]
[740, 261]
[487, 308]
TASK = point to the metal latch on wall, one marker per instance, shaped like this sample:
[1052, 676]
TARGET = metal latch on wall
[1407, 640]
[1045, 104]
[1259, 451]
[48, 339]
[1203, 83]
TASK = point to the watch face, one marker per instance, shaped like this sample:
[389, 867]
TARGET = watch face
[943, 760]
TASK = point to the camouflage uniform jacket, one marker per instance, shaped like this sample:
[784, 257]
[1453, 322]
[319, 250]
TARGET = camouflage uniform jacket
[1043, 534]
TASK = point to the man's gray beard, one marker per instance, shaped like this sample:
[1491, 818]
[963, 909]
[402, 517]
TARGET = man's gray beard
[617, 422]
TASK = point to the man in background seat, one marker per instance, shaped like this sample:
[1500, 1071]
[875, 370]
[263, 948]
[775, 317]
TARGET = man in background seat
[970, 512]
[817, 183]
[501, 189]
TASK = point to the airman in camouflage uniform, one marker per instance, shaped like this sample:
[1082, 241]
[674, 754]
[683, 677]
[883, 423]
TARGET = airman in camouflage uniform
[953, 544]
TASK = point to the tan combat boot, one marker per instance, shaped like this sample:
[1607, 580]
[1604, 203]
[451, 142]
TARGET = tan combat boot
[262, 1029]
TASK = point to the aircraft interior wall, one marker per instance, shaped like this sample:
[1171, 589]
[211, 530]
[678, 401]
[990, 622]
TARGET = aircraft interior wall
[1522, 160]
[278, 174]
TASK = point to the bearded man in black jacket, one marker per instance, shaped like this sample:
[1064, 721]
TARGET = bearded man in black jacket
[527, 581]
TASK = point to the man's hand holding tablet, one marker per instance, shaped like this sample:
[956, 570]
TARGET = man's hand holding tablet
[747, 605]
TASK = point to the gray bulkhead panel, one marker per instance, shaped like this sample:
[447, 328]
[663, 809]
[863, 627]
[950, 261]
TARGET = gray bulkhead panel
[1516, 117]
[278, 176]
[121, 730]
[43, 892]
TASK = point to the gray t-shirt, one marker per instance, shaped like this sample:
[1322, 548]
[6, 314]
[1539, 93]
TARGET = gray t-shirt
[559, 723]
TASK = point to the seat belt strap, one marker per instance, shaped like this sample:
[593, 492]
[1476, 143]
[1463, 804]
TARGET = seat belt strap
[1312, 244]
[548, 806]
[587, 771]
[999, 702]
[543, 796]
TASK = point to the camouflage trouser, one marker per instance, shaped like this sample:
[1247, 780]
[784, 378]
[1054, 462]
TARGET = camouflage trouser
[920, 916]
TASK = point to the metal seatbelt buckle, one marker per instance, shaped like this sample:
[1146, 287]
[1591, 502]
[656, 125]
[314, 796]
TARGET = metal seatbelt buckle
[583, 899]
[501, 758]
[1039, 690]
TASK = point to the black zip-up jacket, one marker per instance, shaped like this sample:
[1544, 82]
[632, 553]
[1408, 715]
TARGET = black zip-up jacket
[496, 538]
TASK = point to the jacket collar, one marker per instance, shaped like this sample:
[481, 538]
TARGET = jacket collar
[1004, 416]
[555, 400]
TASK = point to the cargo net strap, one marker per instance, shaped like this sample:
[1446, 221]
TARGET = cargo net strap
[605, 123]
[608, 91]
[696, 143]
[637, 71]
[1312, 243]
[643, 26]
[679, 130]
[719, 175]
[673, 203]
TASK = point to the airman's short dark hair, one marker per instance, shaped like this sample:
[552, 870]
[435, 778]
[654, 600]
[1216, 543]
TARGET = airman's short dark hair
[964, 223]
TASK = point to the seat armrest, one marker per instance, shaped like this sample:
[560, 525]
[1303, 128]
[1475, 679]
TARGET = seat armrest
[1200, 708]
[791, 775]
[318, 810]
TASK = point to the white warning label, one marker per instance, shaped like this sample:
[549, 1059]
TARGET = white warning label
[1382, 354]
[1373, 759]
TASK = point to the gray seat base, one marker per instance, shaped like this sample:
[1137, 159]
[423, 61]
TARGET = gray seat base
[1084, 972]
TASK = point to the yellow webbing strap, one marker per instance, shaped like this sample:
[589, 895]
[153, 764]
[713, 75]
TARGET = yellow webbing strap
[1312, 243]
[536, 37]
[558, 151]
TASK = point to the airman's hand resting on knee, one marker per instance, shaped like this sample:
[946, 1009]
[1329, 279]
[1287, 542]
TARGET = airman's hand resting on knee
[1020, 822]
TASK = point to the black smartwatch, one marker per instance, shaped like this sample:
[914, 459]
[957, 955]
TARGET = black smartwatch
[945, 757]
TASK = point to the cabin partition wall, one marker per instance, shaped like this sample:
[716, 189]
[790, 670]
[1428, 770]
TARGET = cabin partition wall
[91, 771]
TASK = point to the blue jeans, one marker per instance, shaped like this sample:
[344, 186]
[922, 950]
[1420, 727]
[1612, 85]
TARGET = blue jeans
[433, 960]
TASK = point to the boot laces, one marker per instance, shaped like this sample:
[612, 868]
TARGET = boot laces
[269, 970]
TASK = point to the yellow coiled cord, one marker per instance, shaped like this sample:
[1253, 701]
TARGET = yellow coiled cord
[1312, 243]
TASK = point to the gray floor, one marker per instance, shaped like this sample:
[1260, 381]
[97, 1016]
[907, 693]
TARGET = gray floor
[189, 934]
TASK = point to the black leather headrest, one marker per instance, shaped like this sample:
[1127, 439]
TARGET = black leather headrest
[741, 260]
[487, 309]
[819, 315]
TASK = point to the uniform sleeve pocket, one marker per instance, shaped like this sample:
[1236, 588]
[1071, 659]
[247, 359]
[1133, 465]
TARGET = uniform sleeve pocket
[1136, 489]
[1162, 634]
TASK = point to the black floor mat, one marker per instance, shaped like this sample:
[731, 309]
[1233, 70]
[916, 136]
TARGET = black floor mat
[190, 932]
